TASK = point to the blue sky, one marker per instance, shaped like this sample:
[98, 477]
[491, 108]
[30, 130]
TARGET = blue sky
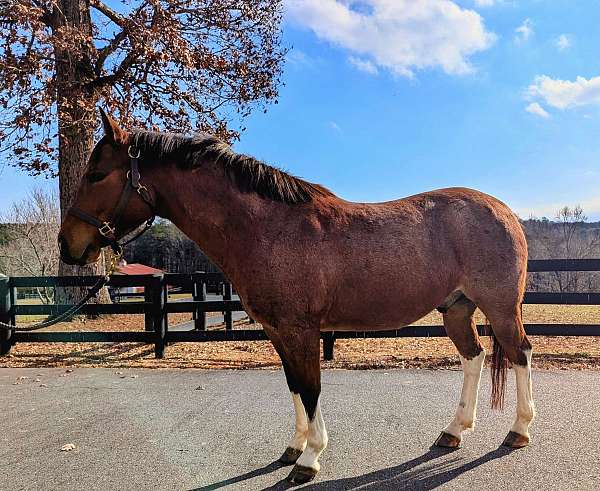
[387, 98]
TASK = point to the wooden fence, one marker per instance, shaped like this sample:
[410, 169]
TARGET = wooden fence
[156, 307]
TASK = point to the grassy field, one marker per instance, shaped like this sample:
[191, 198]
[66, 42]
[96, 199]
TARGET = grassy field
[549, 352]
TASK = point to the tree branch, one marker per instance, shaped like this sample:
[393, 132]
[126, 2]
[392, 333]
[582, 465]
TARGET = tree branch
[125, 65]
[108, 50]
[108, 12]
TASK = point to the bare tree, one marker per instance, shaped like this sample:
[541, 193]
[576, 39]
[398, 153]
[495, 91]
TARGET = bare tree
[565, 238]
[29, 244]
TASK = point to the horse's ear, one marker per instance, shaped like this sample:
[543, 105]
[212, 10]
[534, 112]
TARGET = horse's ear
[112, 129]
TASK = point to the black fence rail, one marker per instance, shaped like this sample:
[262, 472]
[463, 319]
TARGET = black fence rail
[156, 306]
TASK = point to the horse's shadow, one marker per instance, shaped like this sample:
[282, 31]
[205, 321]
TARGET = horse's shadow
[273, 466]
[420, 473]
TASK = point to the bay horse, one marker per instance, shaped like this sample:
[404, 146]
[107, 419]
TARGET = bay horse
[301, 260]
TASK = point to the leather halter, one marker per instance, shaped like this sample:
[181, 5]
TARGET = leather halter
[108, 229]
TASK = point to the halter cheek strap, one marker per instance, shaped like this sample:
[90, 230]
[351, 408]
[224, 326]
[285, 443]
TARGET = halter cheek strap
[108, 229]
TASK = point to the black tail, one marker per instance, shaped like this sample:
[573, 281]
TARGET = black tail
[499, 366]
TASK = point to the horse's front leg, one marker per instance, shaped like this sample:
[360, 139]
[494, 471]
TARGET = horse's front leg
[298, 441]
[301, 360]
[307, 466]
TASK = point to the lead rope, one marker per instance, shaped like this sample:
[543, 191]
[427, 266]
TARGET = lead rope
[101, 283]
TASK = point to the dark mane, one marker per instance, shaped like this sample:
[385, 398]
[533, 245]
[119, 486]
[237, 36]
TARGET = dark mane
[249, 174]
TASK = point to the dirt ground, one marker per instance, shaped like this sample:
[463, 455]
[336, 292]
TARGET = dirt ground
[550, 352]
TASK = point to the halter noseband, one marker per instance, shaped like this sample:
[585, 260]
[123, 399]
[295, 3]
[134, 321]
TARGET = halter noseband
[108, 228]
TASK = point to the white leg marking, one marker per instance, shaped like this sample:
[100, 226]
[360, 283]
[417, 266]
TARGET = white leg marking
[317, 441]
[525, 406]
[301, 431]
[467, 407]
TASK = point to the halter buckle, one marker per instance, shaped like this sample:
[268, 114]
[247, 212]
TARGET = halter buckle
[106, 230]
[141, 188]
[133, 152]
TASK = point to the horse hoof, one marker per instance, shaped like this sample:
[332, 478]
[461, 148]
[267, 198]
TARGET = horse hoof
[301, 474]
[515, 440]
[446, 440]
[290, 456]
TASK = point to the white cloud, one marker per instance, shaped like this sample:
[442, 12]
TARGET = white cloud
[535, 108]
[363, 65]
[399, 35]
[335, 127]
[564, 94]
[563, 42]
[298, 57]
[524, 32]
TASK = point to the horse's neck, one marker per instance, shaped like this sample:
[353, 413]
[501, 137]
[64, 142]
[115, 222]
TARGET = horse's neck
[214, 213]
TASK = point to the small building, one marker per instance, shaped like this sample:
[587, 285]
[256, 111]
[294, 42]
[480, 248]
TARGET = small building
[131, 269]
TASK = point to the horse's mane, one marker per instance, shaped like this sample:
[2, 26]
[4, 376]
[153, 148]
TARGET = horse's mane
[248, 173]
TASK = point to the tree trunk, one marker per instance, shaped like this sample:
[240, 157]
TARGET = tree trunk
[76, 108]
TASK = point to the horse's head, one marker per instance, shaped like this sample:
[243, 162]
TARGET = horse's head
[111, 200]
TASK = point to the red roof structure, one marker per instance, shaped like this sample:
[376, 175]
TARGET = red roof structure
[137, 268]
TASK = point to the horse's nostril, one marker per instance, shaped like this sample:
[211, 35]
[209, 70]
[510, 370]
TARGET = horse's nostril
[63, 249]
[65, 256]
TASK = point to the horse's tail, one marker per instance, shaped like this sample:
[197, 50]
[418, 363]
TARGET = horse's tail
[499, 365]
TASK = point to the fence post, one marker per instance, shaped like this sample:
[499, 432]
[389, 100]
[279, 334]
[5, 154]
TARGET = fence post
[328, 344]
[199, 295]
[6, 336]
[228, 291]
[12, 293]
[159, 313]
[148, 299]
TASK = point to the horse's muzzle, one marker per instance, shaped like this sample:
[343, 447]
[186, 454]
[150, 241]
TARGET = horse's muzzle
[65, 256]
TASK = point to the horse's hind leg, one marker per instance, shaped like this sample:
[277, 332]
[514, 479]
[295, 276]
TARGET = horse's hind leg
[461, 329]
[518, 435]
[511, 342]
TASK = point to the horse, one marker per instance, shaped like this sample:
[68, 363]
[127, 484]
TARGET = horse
[301, 258]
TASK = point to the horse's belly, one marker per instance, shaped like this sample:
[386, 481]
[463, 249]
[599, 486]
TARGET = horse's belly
[375, 317]
[383, 309]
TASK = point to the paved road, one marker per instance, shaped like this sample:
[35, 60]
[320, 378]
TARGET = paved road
[157, 431]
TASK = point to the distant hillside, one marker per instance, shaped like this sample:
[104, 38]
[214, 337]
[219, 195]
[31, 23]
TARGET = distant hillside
[554, 240]
[566, 239]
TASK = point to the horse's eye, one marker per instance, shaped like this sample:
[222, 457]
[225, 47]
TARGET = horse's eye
[96, 176]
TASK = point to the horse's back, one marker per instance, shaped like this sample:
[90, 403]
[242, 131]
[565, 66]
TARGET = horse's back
[400, 259]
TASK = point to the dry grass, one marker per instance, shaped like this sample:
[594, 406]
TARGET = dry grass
[549, 352]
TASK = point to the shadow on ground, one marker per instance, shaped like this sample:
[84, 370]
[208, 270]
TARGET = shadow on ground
[273, 466]
[421, 473]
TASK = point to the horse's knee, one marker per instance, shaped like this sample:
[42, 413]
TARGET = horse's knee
[318, 440]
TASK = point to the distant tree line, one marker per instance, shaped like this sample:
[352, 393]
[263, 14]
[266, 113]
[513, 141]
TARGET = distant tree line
[568, 236]
[165, 247]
